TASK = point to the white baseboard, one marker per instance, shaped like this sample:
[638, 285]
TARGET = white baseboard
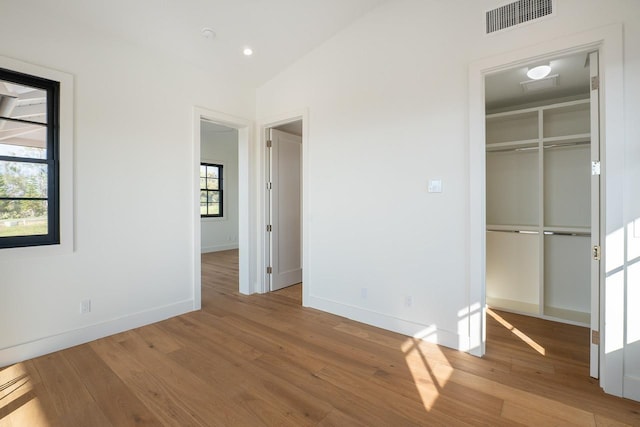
[29, 350]
[218, 248]
[429, 333]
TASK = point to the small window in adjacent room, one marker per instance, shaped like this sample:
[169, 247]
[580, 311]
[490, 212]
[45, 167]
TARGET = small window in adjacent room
[211, 186]
[29, 164]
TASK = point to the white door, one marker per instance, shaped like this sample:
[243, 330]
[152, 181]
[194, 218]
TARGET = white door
[595, 216]
[285, 210]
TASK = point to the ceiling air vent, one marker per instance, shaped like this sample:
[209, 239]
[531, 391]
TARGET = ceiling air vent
[517, 13]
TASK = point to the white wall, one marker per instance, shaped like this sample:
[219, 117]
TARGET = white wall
[134, 233]
[386, 113]
[388, 110]
[221, 147]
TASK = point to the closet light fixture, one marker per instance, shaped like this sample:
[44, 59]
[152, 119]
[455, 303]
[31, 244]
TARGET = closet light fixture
[247, 51]
[539, 72]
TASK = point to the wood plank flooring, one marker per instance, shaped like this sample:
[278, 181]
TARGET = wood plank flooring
[265, 360]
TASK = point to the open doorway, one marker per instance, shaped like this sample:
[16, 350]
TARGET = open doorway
[283, 165]
[208, 121]
[608, 41]
[543, 198]
[218, 187]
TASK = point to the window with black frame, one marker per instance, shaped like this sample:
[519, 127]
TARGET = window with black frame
[211, 185]
[29, 128]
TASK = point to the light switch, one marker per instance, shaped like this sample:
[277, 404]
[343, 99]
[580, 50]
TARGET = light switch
[435, 186]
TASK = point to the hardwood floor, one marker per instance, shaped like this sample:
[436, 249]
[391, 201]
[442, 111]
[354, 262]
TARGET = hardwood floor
[265, 360]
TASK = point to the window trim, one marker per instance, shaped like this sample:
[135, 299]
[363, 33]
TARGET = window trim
[66, 186]
[52, 89]
[220, 189]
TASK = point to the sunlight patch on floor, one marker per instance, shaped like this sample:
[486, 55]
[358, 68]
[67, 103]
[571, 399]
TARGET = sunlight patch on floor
[429, 368]
[19, 405]
[517, 332]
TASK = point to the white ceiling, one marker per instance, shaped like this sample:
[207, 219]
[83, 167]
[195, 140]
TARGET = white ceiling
[211, 127]
[294, 128]
[279, 31]
[503, 89]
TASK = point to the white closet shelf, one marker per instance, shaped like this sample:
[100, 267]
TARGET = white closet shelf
[513, 145]
[572, 317]
[569, 105]
[578, 318]
[513, 113]
[512, 306]
[581, 138]
[513, 228]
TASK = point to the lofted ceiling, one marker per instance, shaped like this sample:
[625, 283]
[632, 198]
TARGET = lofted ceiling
[278, 31]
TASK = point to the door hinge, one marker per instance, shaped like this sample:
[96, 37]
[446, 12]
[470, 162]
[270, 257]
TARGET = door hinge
[269, 270]
[269, 228]
[269, 143]
[595, 167]
[268, 186]
[595, 337]
[595, 82]
[596, 253]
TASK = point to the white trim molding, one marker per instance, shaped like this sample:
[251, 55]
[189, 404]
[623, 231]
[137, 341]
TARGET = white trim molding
[246, 206]
[67, 163]
[608, 40]
[263, 125]
[428, 333]
[42, 346]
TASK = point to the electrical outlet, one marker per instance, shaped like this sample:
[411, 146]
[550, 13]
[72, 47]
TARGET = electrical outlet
[363, 293]
[408, 301]
[85, 306]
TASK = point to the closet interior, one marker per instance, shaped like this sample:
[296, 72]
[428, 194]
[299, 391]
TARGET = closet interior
[539, 198]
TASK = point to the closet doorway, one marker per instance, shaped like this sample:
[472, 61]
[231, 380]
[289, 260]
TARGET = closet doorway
[543, 191]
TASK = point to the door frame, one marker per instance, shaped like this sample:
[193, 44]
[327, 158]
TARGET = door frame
[244, 128]
[273, 168]
[263, 129]
[608, 41]
[594, 184]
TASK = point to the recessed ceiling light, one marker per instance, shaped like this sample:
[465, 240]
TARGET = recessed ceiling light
[539, 72]
[208, 33]
[247, 51]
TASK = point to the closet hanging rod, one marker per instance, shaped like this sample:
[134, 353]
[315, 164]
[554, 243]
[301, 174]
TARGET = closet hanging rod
[568, 233]
[567, 144]
[556, 145]
[546, 233]
[512, 231]
[502, 150]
